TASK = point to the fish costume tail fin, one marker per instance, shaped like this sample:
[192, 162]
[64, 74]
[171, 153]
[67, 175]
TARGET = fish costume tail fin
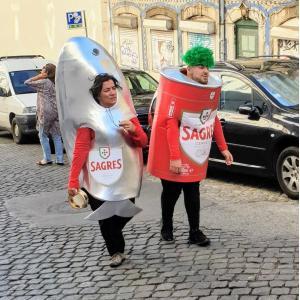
[123, 208]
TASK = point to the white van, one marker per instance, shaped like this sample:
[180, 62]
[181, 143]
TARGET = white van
[18, 101]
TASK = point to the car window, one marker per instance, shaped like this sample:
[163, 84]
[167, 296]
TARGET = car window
[235, 93]
[146, 84]
[140, 83]
[260, 103]
[129, 84]
[152, 109]
[4, 87]
[17, 79]
[284, 87]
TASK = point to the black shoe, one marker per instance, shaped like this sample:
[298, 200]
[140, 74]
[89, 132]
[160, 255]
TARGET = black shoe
[167, 235]
[199, 238]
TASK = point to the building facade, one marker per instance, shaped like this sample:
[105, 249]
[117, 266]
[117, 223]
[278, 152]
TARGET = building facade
[150, 34]
[40, 26]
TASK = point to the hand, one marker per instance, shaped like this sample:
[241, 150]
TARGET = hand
[39, 77]
[228, 157]
[128, 126]
[175, 166]
[72, 192]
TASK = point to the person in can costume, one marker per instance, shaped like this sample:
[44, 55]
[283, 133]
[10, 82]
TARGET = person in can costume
[185, 121]
[102, 136]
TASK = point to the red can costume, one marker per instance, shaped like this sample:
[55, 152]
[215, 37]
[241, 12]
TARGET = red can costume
[186, 117]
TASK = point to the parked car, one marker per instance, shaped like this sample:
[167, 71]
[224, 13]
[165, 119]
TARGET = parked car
[18, 101]
[142, 88]
[259, 113]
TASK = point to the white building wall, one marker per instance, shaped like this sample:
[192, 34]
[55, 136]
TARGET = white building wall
[40, 26]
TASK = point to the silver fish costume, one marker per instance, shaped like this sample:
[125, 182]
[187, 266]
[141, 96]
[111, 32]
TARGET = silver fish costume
[113, 170]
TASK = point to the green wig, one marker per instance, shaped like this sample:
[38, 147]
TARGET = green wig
[199, 56]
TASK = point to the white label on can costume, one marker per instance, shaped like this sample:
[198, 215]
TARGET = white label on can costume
[212, 95]
[106, 164]
[171, 109]
[196, 132]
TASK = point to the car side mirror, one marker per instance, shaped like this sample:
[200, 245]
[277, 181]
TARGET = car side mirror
[252, 112]
[245, 109]
[4, 92]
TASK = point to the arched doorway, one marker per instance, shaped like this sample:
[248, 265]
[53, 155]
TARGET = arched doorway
[246, 38]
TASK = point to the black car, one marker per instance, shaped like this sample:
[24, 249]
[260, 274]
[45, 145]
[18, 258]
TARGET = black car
[259, 113]
[142, 88]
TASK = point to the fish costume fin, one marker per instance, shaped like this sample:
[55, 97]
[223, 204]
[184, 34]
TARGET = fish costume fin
[123, 208]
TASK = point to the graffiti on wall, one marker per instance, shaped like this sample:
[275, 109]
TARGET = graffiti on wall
[204, 40]
[129, 52]
[163, 52]
[288, 47]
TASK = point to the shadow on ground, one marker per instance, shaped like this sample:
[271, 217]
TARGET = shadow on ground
[266, 183]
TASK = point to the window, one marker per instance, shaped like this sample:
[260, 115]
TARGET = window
[206, 40]
[246, 38]
[284, 87]
[146, 83]
[140, 83]
[235, 93]
[129, 50]
[260, 103]
[18, 78]
[162, 49]
[4, 87]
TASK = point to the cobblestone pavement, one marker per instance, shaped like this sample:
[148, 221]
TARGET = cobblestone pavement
[60, 262]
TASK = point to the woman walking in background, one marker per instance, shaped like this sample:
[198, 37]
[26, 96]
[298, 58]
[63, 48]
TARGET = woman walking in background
[47, 116]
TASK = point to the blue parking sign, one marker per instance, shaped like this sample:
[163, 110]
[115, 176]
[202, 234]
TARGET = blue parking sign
[75, 19]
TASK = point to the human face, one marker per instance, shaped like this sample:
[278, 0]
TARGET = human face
[198, 73]
[108, 95]
[44, 72]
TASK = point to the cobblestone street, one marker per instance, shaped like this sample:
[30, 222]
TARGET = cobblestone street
[71, 262]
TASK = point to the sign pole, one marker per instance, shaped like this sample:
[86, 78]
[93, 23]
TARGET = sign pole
[85, 26]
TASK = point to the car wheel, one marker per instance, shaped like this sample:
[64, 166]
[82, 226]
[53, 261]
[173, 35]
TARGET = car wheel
[17, 133]
[287, 169]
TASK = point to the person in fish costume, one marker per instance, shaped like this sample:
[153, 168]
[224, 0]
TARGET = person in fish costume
[184, 124]
[103, 138]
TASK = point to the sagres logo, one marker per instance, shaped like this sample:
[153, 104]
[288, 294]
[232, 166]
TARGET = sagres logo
[204, 115]
[104, 152]
[212, 95]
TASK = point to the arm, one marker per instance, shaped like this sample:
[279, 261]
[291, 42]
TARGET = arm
[135, 131]
[221, 143]
[81, 149]
[219, 136]
[37, 82]
[173, 143]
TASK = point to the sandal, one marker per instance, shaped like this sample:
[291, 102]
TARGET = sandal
[43, 162]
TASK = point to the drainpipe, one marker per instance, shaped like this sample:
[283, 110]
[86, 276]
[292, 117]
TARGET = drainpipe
[112, 37]
[222, 33]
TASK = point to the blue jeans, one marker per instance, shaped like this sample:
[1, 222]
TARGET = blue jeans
[44, 140]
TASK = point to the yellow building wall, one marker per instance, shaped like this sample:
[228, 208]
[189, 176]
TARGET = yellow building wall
[40, 26]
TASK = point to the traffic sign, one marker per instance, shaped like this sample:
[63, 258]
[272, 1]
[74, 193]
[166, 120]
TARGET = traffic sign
[75, 19]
